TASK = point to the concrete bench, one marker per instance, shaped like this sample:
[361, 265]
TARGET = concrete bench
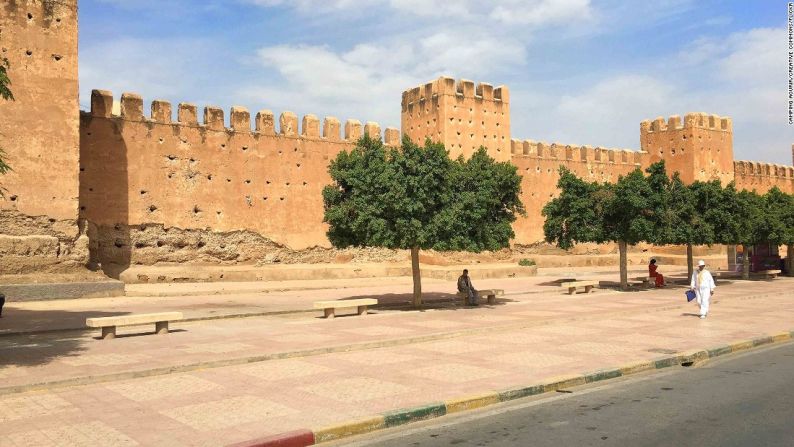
[645, 280]
[490, 294]
[330, 306]
[573, 285]
[768, 274]
[109, 324]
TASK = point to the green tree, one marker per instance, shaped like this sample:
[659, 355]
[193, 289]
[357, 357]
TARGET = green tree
[629, 216]
[574, 216]
[779, 222]
[625, 213]
[417, 198]
[739, 220]
[675, 208]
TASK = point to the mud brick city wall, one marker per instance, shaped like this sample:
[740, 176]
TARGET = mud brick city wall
[761, 177]
[162, 190]
[160, 183]
[539, 164]
[39, 132]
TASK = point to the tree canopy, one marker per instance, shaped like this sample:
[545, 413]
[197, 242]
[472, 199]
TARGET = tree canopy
[660, 209]
[416, 198]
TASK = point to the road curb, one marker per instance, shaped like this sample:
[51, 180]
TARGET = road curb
[437, 409]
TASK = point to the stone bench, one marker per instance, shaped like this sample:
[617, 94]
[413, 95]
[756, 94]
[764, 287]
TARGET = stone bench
[490, 294]
[768, 274]
[330, 306]
[645, 280]
[109, 324]
[573, 285]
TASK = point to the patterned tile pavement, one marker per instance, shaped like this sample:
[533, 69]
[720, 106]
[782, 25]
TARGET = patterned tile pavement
[477, 350]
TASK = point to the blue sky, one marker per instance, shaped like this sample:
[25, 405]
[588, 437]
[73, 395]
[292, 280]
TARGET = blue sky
[579, 71]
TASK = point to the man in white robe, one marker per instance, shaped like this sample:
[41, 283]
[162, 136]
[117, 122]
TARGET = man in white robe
[703, 285]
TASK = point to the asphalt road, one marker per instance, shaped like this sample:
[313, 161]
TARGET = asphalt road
[746, 400]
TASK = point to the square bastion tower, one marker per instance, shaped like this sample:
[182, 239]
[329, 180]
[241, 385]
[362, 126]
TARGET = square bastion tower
[700, 148]
[460, 116]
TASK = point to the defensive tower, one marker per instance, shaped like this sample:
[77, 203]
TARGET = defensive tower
[460, 115]
[700, 148]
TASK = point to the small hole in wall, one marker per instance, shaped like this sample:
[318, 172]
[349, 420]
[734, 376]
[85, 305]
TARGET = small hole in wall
[218, 213]
[30, 16]
[161, 140]
[209, 176]
[82, 169]
[287, 183]
[248, 182]
[201, 244]
[118, 243]
[298, 165]
[82, 208]
[57, 57]
[245, 148]
[58, 20]
[140, 245]
[14, 198]
[281, 198]
[29, 53]
[196, 209]
[264, 198]
[170, 175]
[305, 183]
[152, 208]
[228, 180]
[90, 189]
[223, 146]
[143, 192]
[160, 243]
[267, 182]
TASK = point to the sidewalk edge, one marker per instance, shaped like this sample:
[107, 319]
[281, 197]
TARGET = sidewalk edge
[434, 410]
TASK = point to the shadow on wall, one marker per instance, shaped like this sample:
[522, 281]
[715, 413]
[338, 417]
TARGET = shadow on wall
[42, 348]
[104, 192]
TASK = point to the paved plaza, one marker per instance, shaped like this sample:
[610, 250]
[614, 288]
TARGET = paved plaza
[216, 381]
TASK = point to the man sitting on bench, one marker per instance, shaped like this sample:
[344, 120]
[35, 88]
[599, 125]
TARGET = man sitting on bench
[464, 286]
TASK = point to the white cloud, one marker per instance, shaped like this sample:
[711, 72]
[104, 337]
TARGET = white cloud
[367, 80]
[609, 113]
[523, 12]
[154, 68]
[742, 76]
[539, 12]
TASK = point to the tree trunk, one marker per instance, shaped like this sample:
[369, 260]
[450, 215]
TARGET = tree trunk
[624, 269]
[790, 259]
[745, 261]
[690, 263]
[417, 276]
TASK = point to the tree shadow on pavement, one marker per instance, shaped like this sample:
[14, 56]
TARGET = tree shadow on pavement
[37, 337]
[430, 300]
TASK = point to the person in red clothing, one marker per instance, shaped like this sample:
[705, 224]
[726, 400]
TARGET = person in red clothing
[654, 274]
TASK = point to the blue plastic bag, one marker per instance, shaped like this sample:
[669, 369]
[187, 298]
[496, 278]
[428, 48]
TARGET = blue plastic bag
[690, 295]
